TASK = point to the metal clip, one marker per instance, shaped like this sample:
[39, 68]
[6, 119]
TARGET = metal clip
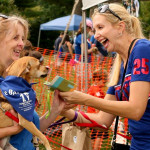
[2, 108]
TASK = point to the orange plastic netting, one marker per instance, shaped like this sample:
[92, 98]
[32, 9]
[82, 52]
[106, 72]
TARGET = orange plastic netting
[73, 72]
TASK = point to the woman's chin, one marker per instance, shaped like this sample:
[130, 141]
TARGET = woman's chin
[16, 57]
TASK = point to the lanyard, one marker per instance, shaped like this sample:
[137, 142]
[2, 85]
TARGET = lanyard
[117, 118]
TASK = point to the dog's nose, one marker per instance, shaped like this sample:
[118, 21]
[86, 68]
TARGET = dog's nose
[48, 69]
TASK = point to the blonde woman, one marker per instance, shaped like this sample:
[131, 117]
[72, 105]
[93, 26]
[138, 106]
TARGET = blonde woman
[116, 29]
[13, 35]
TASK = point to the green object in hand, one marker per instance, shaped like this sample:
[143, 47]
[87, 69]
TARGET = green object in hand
[61, 84]
[48, 104]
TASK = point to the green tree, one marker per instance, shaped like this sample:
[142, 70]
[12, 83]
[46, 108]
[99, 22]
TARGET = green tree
[51, 10]
[24, 4]
[7, 7]
[41, 11]
[145, 17]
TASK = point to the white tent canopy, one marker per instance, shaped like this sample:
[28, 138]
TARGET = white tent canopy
[90, 3]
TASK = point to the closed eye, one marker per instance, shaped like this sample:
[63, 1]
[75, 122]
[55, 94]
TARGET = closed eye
[100, 27]
[16, 37]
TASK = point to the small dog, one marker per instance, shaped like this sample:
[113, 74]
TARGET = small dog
[27, 68]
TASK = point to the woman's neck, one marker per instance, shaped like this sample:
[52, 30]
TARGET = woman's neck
[124, 48]
[6, 64]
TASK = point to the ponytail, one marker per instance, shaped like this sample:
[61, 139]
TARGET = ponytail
[136, 26]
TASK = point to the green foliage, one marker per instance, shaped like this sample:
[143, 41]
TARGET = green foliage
[59, 3]
[49, 10]
[145, 17]
[41, 11]
[24, 4]
[7, 7]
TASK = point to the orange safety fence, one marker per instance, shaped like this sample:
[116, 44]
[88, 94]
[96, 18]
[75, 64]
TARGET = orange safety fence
[72, 71]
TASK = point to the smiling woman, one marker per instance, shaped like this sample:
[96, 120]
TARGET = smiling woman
[120, 32]
[13, 34]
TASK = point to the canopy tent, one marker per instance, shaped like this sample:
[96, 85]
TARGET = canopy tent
[61, 23]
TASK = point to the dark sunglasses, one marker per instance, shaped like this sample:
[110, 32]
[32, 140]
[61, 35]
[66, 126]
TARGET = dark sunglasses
[4, 16]
[104, 8]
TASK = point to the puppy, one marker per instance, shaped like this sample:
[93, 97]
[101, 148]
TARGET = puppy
[28, 68]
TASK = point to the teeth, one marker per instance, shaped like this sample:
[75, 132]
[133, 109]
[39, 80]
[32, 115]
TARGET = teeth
[17, 51]
[103, 40]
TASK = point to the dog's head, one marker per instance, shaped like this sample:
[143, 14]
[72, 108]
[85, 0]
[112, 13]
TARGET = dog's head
[28, 68]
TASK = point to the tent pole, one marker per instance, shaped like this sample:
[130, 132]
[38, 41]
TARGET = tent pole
[85, 51]
[82, 49]
[73, 36]
[38, 44]
[68, 24]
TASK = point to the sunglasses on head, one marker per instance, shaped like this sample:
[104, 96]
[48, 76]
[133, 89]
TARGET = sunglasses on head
[4, 16]
[104, 8]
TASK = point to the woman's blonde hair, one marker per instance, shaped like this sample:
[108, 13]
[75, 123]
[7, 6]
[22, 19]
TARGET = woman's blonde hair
[133, 27]
[5, 24]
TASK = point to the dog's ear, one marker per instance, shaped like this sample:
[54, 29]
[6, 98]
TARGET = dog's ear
[18, 68]
[24, 69]
[9, 68]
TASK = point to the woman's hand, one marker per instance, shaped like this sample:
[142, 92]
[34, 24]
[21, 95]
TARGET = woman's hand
[75, 97]
[17, 127]
[12, 130]
[59, 105]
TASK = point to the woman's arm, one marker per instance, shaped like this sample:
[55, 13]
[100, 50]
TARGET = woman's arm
[70, 48]
[45, 123]
[58, 106]
[8, 131]
[101, 118]
[133, 109]
[89, 51]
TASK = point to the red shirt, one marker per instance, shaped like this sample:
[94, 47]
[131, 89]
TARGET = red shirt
[96, 91]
